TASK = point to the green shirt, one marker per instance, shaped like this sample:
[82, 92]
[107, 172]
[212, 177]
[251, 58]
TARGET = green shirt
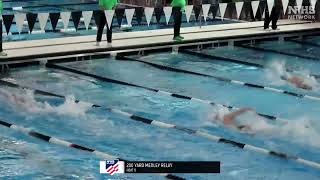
[179, 3]
[108, 4]
[1, 7]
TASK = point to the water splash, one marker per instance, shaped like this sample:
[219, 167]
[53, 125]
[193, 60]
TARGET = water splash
[25, 101]
[277, 69]
[301, 130]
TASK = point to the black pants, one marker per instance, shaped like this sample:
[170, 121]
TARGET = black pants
[1, 37]
[177, 14]
[274, 17]
[102, 21]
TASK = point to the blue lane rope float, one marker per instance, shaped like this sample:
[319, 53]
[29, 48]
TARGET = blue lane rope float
[214, 57]
[250, 85]
[60, 142]
[164, 93]
[165, 125]
[278, 51]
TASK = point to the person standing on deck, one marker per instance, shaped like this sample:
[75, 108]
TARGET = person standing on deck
[274, 16]
[105, 5]
[1, 11]
[178, 6]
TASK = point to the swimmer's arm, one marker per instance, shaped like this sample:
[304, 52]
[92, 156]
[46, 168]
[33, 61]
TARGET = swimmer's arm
[229, 118]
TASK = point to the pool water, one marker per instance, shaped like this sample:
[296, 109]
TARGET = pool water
[118, 135]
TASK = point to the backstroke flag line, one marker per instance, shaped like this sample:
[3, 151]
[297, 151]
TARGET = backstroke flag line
[149, 13]
[222, 8]
[167, 13]
[43, 19]
[87, 16]
[109, 17]
[129, 15]
[255, 6]
[188, 11]
[270, 5]
[285, 4]
[205, 11]
[65, 16]
[20, 17]
[239, 6]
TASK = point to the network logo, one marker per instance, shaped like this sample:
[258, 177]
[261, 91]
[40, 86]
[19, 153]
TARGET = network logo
[112, 167]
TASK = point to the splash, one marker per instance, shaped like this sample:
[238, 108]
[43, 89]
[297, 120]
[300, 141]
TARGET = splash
[301, 130]
[25, 101]
[277, 69]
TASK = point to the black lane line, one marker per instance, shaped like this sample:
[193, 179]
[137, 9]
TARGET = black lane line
[278, 51]
[61, 142]
[45, 93]
[211, 137]
[219, 58]
[54, 66]
[250, 85]
[304, 42]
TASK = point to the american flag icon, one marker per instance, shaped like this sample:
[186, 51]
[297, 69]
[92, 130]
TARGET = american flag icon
[111, 167]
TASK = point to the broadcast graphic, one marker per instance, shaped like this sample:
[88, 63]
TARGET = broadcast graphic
[120, 167]
[112, 167]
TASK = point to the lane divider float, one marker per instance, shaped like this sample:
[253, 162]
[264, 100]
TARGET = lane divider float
[250, 85]
[164, 93]
[157, 124]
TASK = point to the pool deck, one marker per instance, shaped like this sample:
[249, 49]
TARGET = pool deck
[39, 49]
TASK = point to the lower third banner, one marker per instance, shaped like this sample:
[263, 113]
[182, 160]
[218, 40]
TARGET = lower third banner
[172, 167]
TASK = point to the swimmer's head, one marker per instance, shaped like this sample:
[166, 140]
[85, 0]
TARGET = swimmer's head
[285, 76]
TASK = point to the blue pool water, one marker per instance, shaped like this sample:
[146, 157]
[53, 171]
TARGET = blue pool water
[117, 135]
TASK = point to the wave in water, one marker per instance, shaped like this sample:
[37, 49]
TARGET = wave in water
[24, 100]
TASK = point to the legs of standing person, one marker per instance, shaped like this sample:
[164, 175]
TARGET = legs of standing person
[274, 17]
[101, 23]
[2, 53]
[266, 18]
[109, 33]
[177, 21]
[1, 36]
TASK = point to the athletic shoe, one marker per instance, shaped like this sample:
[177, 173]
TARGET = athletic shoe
[97, 43]
[180, 37]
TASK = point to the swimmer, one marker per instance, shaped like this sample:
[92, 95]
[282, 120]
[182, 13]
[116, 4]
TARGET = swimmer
[297, 81]
[230, 119]
[20, 101]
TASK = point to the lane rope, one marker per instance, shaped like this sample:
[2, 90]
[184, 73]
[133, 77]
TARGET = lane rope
[223, 79]
[278, 52]
[60, 142]
[164, 93]
[305, 42]
[214, 57]
[159, 124]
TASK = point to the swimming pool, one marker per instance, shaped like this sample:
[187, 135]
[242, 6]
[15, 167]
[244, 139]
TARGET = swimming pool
[118, 135]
